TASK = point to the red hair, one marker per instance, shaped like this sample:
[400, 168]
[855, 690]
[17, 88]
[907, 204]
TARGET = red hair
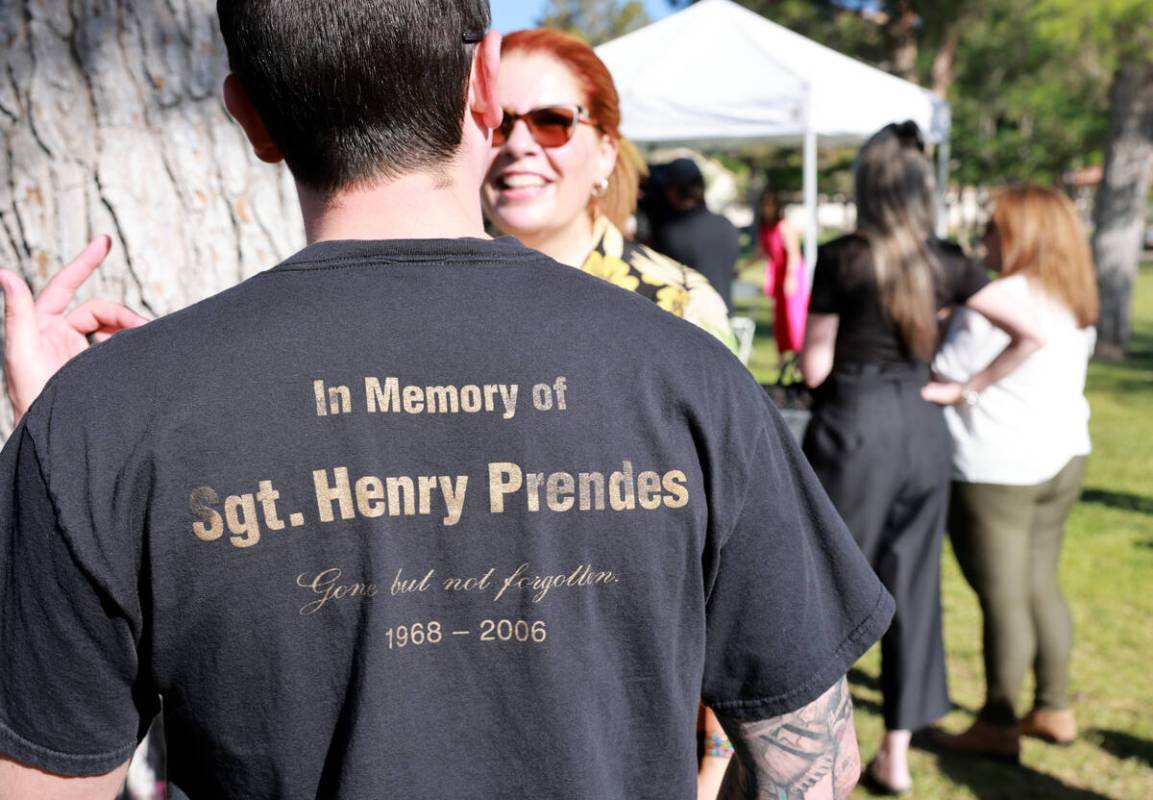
[603, 104]
[1042, 236]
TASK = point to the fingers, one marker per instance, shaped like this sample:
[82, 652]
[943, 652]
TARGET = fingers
[19, 310]
[943, 394]
[60, 290]
[103, 318]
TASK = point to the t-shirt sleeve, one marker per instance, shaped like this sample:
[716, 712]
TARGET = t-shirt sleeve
[825, 297]
[70, 698]
[793, 602]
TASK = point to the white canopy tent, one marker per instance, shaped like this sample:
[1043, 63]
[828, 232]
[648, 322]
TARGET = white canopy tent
[718, 75]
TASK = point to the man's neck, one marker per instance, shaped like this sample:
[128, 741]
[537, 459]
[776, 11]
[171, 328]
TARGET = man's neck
[414, 206]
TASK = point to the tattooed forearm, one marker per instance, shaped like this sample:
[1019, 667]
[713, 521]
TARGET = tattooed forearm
[808, 754]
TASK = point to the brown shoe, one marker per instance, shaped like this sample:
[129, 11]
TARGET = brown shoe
[1056, 726]
[985, 739]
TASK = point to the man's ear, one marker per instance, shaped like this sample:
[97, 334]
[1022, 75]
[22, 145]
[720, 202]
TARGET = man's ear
[239, 105]
[483, 95]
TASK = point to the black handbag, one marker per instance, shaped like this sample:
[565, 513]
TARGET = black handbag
[791, 396]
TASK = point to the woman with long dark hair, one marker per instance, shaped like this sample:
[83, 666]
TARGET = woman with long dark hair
[878, 439]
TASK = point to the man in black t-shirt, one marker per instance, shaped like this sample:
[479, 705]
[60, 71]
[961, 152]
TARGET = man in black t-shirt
[386, 519]
[690, 233]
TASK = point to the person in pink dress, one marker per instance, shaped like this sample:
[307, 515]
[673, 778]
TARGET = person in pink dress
[785, 279]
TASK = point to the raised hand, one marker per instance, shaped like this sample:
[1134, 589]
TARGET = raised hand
[41, 335]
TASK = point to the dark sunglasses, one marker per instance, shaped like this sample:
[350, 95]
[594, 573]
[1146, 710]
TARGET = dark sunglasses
[550, 126]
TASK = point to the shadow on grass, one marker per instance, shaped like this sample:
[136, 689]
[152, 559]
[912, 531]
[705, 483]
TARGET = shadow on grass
[988, 779]
[868, 706]
[1121, 500]
[1124, 745]
[858, 677]
[858, 680]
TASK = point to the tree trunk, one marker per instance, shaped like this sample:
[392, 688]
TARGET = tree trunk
[945, 61]
[901, 32]
[1119, 212]
[111, 122]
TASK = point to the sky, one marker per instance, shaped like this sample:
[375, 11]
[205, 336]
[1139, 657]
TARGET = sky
[511, 15]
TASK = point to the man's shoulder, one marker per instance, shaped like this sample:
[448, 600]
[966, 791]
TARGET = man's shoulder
[120, 380]
[701, 218]
[268, 305]
[720, 220]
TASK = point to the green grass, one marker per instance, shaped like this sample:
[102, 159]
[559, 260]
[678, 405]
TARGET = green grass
[1107, 575]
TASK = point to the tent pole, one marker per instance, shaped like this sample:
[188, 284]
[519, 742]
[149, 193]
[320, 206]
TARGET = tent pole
[810, 178]
[943, 157]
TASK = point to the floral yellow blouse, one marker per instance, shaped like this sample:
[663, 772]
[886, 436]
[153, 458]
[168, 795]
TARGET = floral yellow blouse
[671, 285]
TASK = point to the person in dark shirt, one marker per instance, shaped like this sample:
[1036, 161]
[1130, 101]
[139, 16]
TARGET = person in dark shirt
[877, 439]
[415, 512]
[689, 232]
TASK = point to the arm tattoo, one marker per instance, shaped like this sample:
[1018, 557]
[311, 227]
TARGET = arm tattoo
[806, 754]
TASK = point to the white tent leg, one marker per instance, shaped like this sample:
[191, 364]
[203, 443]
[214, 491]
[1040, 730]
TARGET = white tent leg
[943, 157]
[810, 174]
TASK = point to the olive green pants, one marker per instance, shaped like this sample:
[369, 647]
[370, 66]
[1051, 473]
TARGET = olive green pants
[1008, 543]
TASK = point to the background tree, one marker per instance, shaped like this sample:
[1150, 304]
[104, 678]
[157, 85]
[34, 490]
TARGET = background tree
[1025, 106]
[843, 26]
[914, 39]
[111, 122]
[1031, 83]
[1118, 34]
[595, 21]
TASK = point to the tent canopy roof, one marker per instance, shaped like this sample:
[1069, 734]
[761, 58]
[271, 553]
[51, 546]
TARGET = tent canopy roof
[718, 73]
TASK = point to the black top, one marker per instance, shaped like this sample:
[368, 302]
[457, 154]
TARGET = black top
[845, 284]
[705, 241]
[427, 519]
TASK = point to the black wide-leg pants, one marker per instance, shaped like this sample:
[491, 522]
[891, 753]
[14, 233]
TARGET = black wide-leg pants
[884, 456]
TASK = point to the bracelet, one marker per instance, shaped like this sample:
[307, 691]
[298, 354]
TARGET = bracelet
[969, 395]
[717, 745]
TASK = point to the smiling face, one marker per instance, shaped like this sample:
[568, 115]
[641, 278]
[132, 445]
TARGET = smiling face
[541, 194]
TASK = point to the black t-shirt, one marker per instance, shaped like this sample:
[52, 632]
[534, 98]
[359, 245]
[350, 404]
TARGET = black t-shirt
[844, 283]
[705, 241]
[422, 519]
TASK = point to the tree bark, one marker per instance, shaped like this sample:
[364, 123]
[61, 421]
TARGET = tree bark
[1119, 211]
[945, 60]
[111, 122]
[901, 31]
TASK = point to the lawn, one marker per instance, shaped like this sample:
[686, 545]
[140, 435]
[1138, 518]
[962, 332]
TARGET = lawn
[1107, 574]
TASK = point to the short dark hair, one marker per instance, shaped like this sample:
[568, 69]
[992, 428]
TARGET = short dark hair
[356, 90]
[683, 176]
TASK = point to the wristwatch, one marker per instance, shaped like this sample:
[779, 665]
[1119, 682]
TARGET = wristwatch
[969, 395]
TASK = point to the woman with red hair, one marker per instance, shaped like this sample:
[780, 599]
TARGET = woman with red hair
[564, 181]
[1018, 461]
